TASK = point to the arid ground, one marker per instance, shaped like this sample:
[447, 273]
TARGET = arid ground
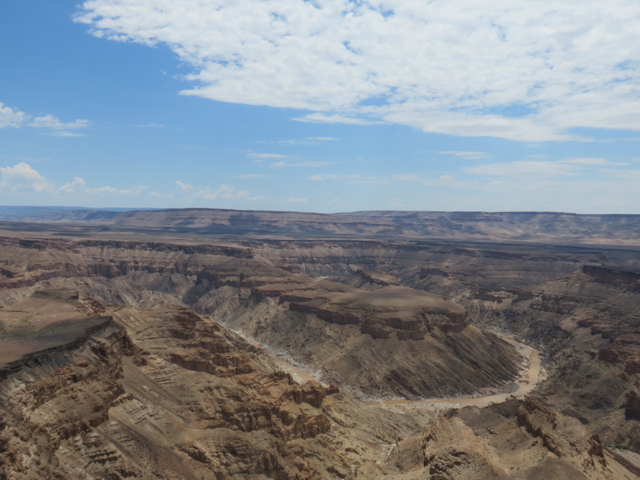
[206, 344]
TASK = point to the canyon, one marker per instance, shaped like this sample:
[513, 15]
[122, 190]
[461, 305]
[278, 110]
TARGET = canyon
[206, 344]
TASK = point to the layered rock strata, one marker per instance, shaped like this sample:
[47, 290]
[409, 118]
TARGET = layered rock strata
[589, 325]
[166, 394]
[427, 346]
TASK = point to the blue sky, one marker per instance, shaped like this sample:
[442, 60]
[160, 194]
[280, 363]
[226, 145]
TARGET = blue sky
[326, 105]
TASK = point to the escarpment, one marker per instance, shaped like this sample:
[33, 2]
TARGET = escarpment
[131, 400]
[427, 344]
[193, 358]
[408, 313]
[390, 342]
[513, 440]
[588, 323]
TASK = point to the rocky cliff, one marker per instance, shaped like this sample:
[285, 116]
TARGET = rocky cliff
[338, 331]
[136, 375]
[588, 323]
[164, 393]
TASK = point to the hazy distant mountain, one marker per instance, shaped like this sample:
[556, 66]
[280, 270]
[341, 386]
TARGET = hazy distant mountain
[539, 227]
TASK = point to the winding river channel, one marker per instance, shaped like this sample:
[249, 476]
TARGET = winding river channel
[528, 379]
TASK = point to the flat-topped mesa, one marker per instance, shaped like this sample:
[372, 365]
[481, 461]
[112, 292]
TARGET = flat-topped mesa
[378, 277]
[409, 314]
[47, 323]
[619, 276]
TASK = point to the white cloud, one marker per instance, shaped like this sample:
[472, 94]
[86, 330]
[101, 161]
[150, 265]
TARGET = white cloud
[185, 187]
[282, 164]
[224, 192]
[567, 167]
[324, 118]
[155, 194]
[22, 177]
[295, 200]
[559, 168]
[524, 168]
[521, 70]
[62, 133]
[331, 176]
[592, 161]
[49, 121]
[10, 117]
[462, 154]
[78, 184]
[107, 190]
[320, 177]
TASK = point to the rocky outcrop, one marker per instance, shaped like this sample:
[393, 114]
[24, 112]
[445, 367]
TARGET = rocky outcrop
[374, 344]
[621, 277]
[169, 393]
[552, 429]
[417, 315]
[130, 400]
[57, 397]
[225, 283]
[514, 439]
[632, 406]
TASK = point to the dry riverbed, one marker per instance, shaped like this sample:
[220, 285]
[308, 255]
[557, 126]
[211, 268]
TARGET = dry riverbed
[531, 374]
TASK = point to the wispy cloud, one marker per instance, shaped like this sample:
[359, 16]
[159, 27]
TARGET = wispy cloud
[331, 176]
[268, 156]
[49, 121]
[592, 161]
[283, 164]
[10, 117]
[189, 193]
[304, 141]
[223, 192]
[324, 118]
[465, 155]
[22, 178]
[62, 133]
[526, 71]
[107, 190]
[185, 187]
[558, 168]
[523, 167]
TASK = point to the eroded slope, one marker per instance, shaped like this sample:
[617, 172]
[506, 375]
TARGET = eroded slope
[164, 393]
